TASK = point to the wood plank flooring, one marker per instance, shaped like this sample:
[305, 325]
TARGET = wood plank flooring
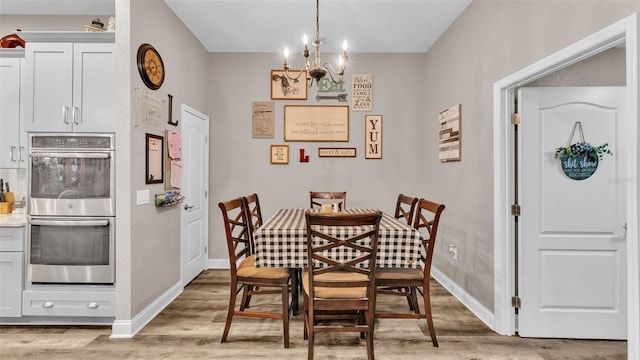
[191, 327]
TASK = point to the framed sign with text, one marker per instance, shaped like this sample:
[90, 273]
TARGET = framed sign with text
[336, 152]
[316, 123]
[373, 137]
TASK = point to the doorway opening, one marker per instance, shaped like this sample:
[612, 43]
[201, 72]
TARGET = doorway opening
[623, 33]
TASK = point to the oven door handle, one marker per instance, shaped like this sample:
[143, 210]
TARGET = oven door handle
[70, 222]
[90, 155]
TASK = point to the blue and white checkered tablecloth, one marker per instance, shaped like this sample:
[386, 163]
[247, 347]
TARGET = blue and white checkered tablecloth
[282, 241]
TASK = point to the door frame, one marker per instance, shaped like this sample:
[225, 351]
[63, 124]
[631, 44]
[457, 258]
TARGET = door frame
[622, 32]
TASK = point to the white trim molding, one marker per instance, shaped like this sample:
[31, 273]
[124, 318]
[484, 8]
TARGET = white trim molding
[219, 264]
[465, 298]
[126, 329]
[622, 33]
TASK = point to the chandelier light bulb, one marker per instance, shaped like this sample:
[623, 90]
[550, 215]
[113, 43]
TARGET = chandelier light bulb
[305, 40]
[344, 46]
[286, 53]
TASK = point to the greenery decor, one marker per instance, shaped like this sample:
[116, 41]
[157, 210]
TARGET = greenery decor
[582, 149]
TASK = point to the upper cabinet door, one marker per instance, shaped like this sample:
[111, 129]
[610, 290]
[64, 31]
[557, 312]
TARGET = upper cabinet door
[94, 91]
[70, 87]
[48, 87]
[12, 143]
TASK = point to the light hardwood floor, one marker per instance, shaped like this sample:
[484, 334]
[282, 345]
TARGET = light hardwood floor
[191, 327]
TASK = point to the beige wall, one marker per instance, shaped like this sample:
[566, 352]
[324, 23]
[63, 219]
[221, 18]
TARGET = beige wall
[240, 165]
[489, 41]
[155, 232]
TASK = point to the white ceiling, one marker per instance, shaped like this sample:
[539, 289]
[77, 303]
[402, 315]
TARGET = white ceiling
[379, 26]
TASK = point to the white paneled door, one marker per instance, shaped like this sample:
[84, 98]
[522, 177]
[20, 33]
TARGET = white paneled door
[572, 261]
[195, 188]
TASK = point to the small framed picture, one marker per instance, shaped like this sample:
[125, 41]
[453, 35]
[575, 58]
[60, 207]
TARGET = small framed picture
[280, 154]
[153, 159]
[288, 85]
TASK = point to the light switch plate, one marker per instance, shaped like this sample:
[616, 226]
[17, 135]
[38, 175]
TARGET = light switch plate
[142, 197]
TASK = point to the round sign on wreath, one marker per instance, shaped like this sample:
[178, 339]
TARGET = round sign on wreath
[580, 160]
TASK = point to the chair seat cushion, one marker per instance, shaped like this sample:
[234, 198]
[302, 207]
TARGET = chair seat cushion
[247, 268]
[336, 293]
[399, 274]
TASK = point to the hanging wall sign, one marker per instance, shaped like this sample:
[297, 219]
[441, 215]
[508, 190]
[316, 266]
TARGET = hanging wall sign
[450, 133]
[579, 167]
[362, 92]
[580, 160]
[373, 137]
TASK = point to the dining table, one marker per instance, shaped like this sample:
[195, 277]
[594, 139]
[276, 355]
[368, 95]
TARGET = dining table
[281, 241]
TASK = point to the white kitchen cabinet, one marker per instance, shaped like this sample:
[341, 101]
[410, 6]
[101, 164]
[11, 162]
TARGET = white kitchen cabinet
[13, 139]
[69, 82]
[69, 303]
[11, 271]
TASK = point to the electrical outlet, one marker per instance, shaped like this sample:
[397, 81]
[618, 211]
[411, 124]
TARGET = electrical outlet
[453, 251]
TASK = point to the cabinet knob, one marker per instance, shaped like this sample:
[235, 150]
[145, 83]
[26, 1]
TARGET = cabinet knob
[92, 305]
[47, 305]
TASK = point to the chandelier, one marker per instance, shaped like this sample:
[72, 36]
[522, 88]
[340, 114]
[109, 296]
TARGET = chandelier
[315, 70]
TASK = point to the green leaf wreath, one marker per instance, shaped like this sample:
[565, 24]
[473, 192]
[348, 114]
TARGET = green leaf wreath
[583, 148]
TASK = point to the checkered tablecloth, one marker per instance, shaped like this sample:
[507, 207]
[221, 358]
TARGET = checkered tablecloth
[282, 241]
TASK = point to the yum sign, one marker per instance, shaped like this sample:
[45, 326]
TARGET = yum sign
[373, 137]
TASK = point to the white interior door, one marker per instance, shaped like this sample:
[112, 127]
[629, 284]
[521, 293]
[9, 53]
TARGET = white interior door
[572, 268]
[195, 186]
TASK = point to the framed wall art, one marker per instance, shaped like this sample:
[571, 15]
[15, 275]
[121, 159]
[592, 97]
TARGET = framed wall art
[284, 88]
[262, 122]
[362, 92]
[280, 154]
[337, 152]
[153, 160]
[450, 133]
[316, 123]
[373, 137]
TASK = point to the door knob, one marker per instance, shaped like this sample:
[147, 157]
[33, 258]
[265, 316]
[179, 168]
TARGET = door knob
[187, 206]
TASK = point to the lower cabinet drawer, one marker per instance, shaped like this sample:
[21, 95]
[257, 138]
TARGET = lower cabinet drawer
[12, 238]
[58, 303]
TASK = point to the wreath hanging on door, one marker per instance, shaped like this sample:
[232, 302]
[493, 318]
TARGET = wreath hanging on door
[580, 160]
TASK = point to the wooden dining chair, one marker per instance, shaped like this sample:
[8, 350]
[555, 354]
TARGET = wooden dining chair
[337, 286]
[244, 272]
[254, 217]
[253, 208]
[317, 198]
[405, 206]
[417, 279]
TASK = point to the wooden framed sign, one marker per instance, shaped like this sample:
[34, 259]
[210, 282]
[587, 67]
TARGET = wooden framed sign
[316, 123]
[280, 154]
[450, 133]
[336, 152]
[373, 137]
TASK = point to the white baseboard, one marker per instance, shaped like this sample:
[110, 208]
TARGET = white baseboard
[467, 300]
[218, 264]
[126, 329]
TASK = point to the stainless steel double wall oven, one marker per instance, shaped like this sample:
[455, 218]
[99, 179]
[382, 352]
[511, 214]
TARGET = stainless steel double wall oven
[71, 227]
